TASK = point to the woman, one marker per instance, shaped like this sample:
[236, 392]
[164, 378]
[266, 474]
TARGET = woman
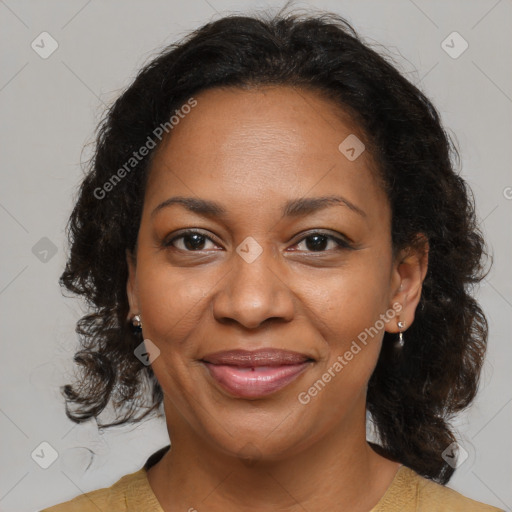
[275, 242]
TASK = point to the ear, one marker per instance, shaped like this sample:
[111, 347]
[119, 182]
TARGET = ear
[409, 271]
[131, 287]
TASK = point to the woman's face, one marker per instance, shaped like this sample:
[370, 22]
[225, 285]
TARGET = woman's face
[267, 272]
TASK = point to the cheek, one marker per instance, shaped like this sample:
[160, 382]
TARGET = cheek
[351, 347]
[346, 309]
[172, 300]
[347, 300]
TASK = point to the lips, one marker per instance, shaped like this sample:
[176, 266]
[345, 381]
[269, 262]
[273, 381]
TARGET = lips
[254, 374]
[261, 357]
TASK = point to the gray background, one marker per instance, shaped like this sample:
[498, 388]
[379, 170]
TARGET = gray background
[49, 110]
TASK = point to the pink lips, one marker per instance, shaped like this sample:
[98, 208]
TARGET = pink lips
[253, 374]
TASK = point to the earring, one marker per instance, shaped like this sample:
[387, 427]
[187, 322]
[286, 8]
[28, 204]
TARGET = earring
[137, 322]
[400, 341]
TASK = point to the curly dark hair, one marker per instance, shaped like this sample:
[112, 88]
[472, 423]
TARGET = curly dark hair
[412, 396]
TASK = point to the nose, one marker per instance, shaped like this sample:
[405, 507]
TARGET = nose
[253, 293]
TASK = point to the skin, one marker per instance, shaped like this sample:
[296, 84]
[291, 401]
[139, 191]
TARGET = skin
[251, 151]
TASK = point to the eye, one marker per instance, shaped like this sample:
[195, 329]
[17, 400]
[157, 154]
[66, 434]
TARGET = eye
[319, 242]
[189, 241]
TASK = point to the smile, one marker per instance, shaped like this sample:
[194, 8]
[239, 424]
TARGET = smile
[255, 373]
[255, 381]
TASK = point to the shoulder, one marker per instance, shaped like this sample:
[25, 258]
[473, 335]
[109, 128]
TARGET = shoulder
[428, 495]
[113, 498]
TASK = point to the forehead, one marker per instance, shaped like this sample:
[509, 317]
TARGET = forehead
[262, 144]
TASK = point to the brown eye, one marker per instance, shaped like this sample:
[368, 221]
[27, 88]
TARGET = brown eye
[189, 241]
[319, 242]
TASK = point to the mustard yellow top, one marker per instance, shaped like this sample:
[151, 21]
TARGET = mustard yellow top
[408, 492]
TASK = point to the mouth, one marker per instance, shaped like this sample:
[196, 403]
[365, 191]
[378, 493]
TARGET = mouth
[255, 374]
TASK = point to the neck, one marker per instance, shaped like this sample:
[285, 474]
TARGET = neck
[336, 472]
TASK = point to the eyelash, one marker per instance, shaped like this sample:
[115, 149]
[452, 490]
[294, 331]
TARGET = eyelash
[342, 244]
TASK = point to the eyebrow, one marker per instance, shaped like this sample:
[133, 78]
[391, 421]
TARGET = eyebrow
[292, 208]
